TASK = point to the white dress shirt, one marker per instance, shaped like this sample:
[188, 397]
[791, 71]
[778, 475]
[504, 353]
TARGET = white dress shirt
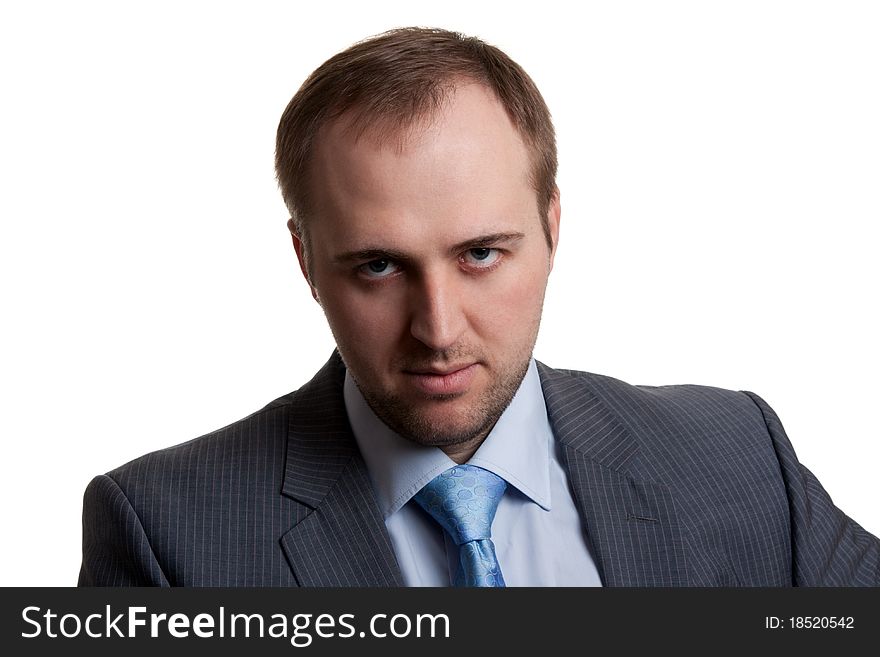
[538, 535]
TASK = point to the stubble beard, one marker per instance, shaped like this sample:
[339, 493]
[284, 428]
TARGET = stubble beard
[423, 428]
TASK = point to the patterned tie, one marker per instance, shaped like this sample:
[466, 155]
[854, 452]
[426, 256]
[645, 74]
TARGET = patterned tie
[463, 500]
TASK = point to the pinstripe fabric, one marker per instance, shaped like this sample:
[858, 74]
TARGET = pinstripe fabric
[280, 498]
[676, 486]
[698, 486]
[829, 549]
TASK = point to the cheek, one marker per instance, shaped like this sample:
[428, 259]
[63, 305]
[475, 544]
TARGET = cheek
[367, 323]
[510, 307]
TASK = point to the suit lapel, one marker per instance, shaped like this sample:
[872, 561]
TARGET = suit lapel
[341, 539]
[630, 521]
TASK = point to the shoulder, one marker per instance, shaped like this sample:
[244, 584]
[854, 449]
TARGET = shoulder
[258, 439]
[669, 419]
[711, 447]
[628, 399]
[251, 443]
[248, 454]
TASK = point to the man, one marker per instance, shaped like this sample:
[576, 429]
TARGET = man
[432, 450]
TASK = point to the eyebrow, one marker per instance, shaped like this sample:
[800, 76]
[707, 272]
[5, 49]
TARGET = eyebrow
[479, 242]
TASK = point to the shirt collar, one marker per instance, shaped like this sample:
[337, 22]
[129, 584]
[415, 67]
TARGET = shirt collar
[517, 448]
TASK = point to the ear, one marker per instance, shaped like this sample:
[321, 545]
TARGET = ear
[554, 211]
[300, 249]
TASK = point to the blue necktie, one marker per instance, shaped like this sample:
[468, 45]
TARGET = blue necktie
[463, 500]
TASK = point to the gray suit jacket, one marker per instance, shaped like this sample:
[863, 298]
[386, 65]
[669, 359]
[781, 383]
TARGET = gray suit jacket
[676, 486]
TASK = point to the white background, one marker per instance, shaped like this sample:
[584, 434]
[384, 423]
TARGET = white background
[719, 167]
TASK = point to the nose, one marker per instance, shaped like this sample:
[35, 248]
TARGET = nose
[437, 311]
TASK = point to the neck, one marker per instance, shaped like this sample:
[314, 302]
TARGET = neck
[462, 452]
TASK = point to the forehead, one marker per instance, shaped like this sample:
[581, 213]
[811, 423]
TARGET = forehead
[463, 164]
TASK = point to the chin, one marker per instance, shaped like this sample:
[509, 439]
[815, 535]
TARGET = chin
[443, 420]
[442, 429]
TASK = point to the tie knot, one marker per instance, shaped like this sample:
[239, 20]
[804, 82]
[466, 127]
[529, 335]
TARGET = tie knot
[463, 499]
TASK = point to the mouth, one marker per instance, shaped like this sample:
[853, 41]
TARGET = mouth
[448, 380]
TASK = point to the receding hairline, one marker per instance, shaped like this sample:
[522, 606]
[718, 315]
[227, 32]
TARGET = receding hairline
[401, 130]
[390, 85]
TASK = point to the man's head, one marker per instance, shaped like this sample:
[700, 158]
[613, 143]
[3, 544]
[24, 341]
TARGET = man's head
[419, 169]
[390, 83]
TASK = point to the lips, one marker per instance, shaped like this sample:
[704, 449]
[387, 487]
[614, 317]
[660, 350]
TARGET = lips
[447, 381]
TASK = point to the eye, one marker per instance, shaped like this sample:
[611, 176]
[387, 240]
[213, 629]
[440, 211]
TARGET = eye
[481, 257]
[379, 268]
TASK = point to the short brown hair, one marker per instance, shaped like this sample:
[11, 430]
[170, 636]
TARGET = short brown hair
[393, 80]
